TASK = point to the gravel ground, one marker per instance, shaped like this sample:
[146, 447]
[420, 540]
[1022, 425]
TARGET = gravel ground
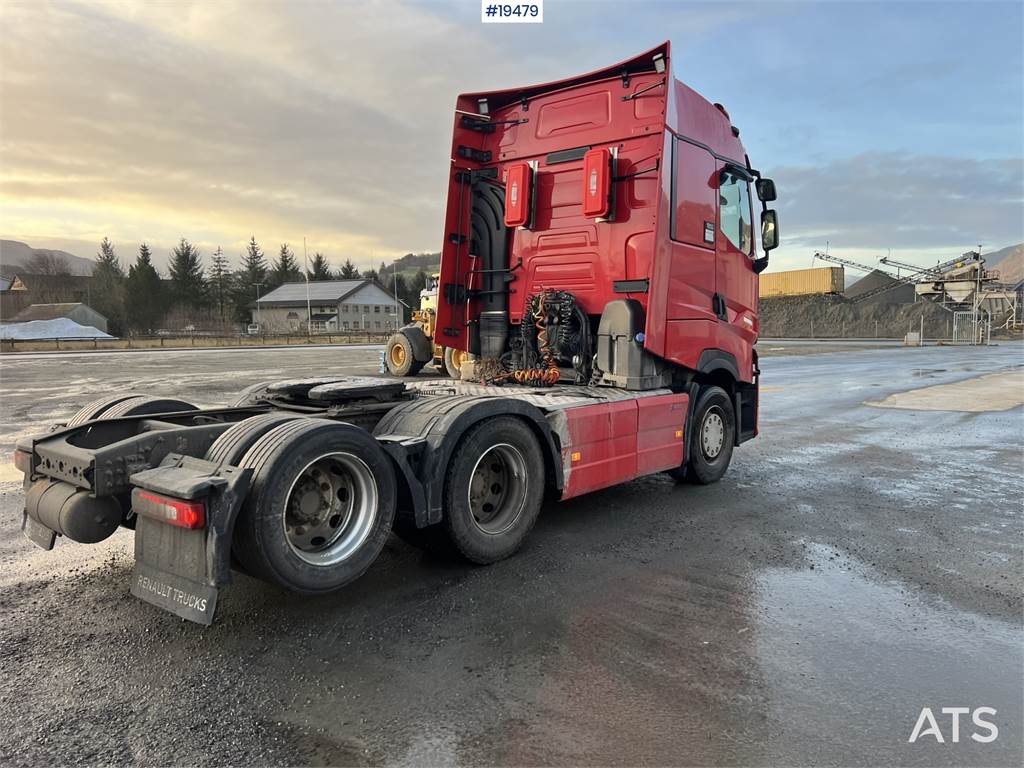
[855, 565]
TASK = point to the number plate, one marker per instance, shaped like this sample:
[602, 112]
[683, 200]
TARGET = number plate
[36, 532]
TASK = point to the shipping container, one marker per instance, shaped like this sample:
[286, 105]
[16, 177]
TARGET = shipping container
[801, 282]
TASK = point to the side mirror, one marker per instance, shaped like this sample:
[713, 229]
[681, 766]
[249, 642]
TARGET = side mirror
[765, 190]
[769, 230]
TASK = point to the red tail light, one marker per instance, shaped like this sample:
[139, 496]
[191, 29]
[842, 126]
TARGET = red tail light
[518, 193]
[597, 183]
[184, 514]
[23, 461]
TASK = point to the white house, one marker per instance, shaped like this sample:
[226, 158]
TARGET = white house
[334, 305]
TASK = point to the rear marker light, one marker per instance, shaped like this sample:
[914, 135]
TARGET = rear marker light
[597, 183]
[183, 514]
[518, 195]
[576, 456]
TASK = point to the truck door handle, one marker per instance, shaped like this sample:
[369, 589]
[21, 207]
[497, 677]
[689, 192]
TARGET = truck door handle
[718, 307]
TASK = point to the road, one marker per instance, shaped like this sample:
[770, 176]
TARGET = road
[856, 565]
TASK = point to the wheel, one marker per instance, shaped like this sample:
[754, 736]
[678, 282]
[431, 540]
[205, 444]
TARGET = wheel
[96, 408]
[400, 358]
[248, 395]
[712, 435]
[453, 359]
[237, 439]
[144, 405]
[493, 489]
[320, 506]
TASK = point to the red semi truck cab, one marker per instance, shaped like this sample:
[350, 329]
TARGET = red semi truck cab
[629, 192]
[600, 267]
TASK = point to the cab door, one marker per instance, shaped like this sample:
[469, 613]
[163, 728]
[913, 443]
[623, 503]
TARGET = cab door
[691, 287]
[735, 279]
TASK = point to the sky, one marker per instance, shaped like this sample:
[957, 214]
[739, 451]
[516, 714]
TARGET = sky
[887, 126]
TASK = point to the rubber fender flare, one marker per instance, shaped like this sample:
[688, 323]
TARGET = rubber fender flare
[422, 346]
[440, 423]
[718, 360]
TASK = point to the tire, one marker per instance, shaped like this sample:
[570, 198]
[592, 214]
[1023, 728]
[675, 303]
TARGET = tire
[711, 441]
[273, 542]
[399, 356]
[144, 405]
[96, 408]
[494, 523]
[247, 395]
[453, 359]
[237, 439]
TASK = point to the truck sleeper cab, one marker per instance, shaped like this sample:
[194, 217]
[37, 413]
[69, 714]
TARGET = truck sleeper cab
[607, 302]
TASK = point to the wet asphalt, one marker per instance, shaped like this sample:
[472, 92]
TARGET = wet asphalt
[855, 565]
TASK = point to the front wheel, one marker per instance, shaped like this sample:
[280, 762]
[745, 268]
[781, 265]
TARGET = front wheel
[493, 489]
[711, 439]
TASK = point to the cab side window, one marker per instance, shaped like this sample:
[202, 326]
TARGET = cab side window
[734, 219]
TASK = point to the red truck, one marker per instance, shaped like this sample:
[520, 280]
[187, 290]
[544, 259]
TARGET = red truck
[599, 266]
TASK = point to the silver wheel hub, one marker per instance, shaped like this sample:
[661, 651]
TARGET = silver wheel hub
[712, 433]
[330, 509]
[497, 488]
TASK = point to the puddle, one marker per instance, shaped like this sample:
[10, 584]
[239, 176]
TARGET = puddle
[849, 662]
[992, 392]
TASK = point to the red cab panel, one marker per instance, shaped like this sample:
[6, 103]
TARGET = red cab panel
[518, 191]
[597, 183]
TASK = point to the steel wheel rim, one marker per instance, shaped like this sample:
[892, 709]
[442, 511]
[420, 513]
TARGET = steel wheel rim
[712, 433]
[397, 355]
[497, 488]
[330, 509]
[458, 356]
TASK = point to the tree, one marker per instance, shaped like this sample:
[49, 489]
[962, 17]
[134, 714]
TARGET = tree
[188, 283]
[285, 269]
[348, 271]
[417, 284]
[252, 277]
[145, 302]
[370, 274]
[220, 282]
[320, 270]
[107, 291]
[46, 263]
[60, 285]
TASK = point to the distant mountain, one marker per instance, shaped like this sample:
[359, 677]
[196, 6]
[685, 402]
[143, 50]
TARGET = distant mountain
[1009, 261]
[14, 255]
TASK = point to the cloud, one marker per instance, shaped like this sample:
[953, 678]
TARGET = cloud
[879, 200]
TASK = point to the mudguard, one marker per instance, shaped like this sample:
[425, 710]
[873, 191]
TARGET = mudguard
[177, 569]
[430, 428]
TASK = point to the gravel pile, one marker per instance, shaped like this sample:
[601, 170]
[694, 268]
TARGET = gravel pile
[835, 317]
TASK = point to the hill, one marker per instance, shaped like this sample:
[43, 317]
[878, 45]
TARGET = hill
[14, 255]
[1009, 261]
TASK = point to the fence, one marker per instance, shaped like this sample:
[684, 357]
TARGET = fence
[188, 341]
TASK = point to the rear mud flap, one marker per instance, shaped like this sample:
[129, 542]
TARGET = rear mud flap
[178, 569]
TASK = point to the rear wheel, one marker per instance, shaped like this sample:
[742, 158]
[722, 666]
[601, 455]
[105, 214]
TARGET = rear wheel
[399, 356]
[145, 405]
[493, 489]
[320, 507]
[236, 441]
[97, 408]
[453, 359]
